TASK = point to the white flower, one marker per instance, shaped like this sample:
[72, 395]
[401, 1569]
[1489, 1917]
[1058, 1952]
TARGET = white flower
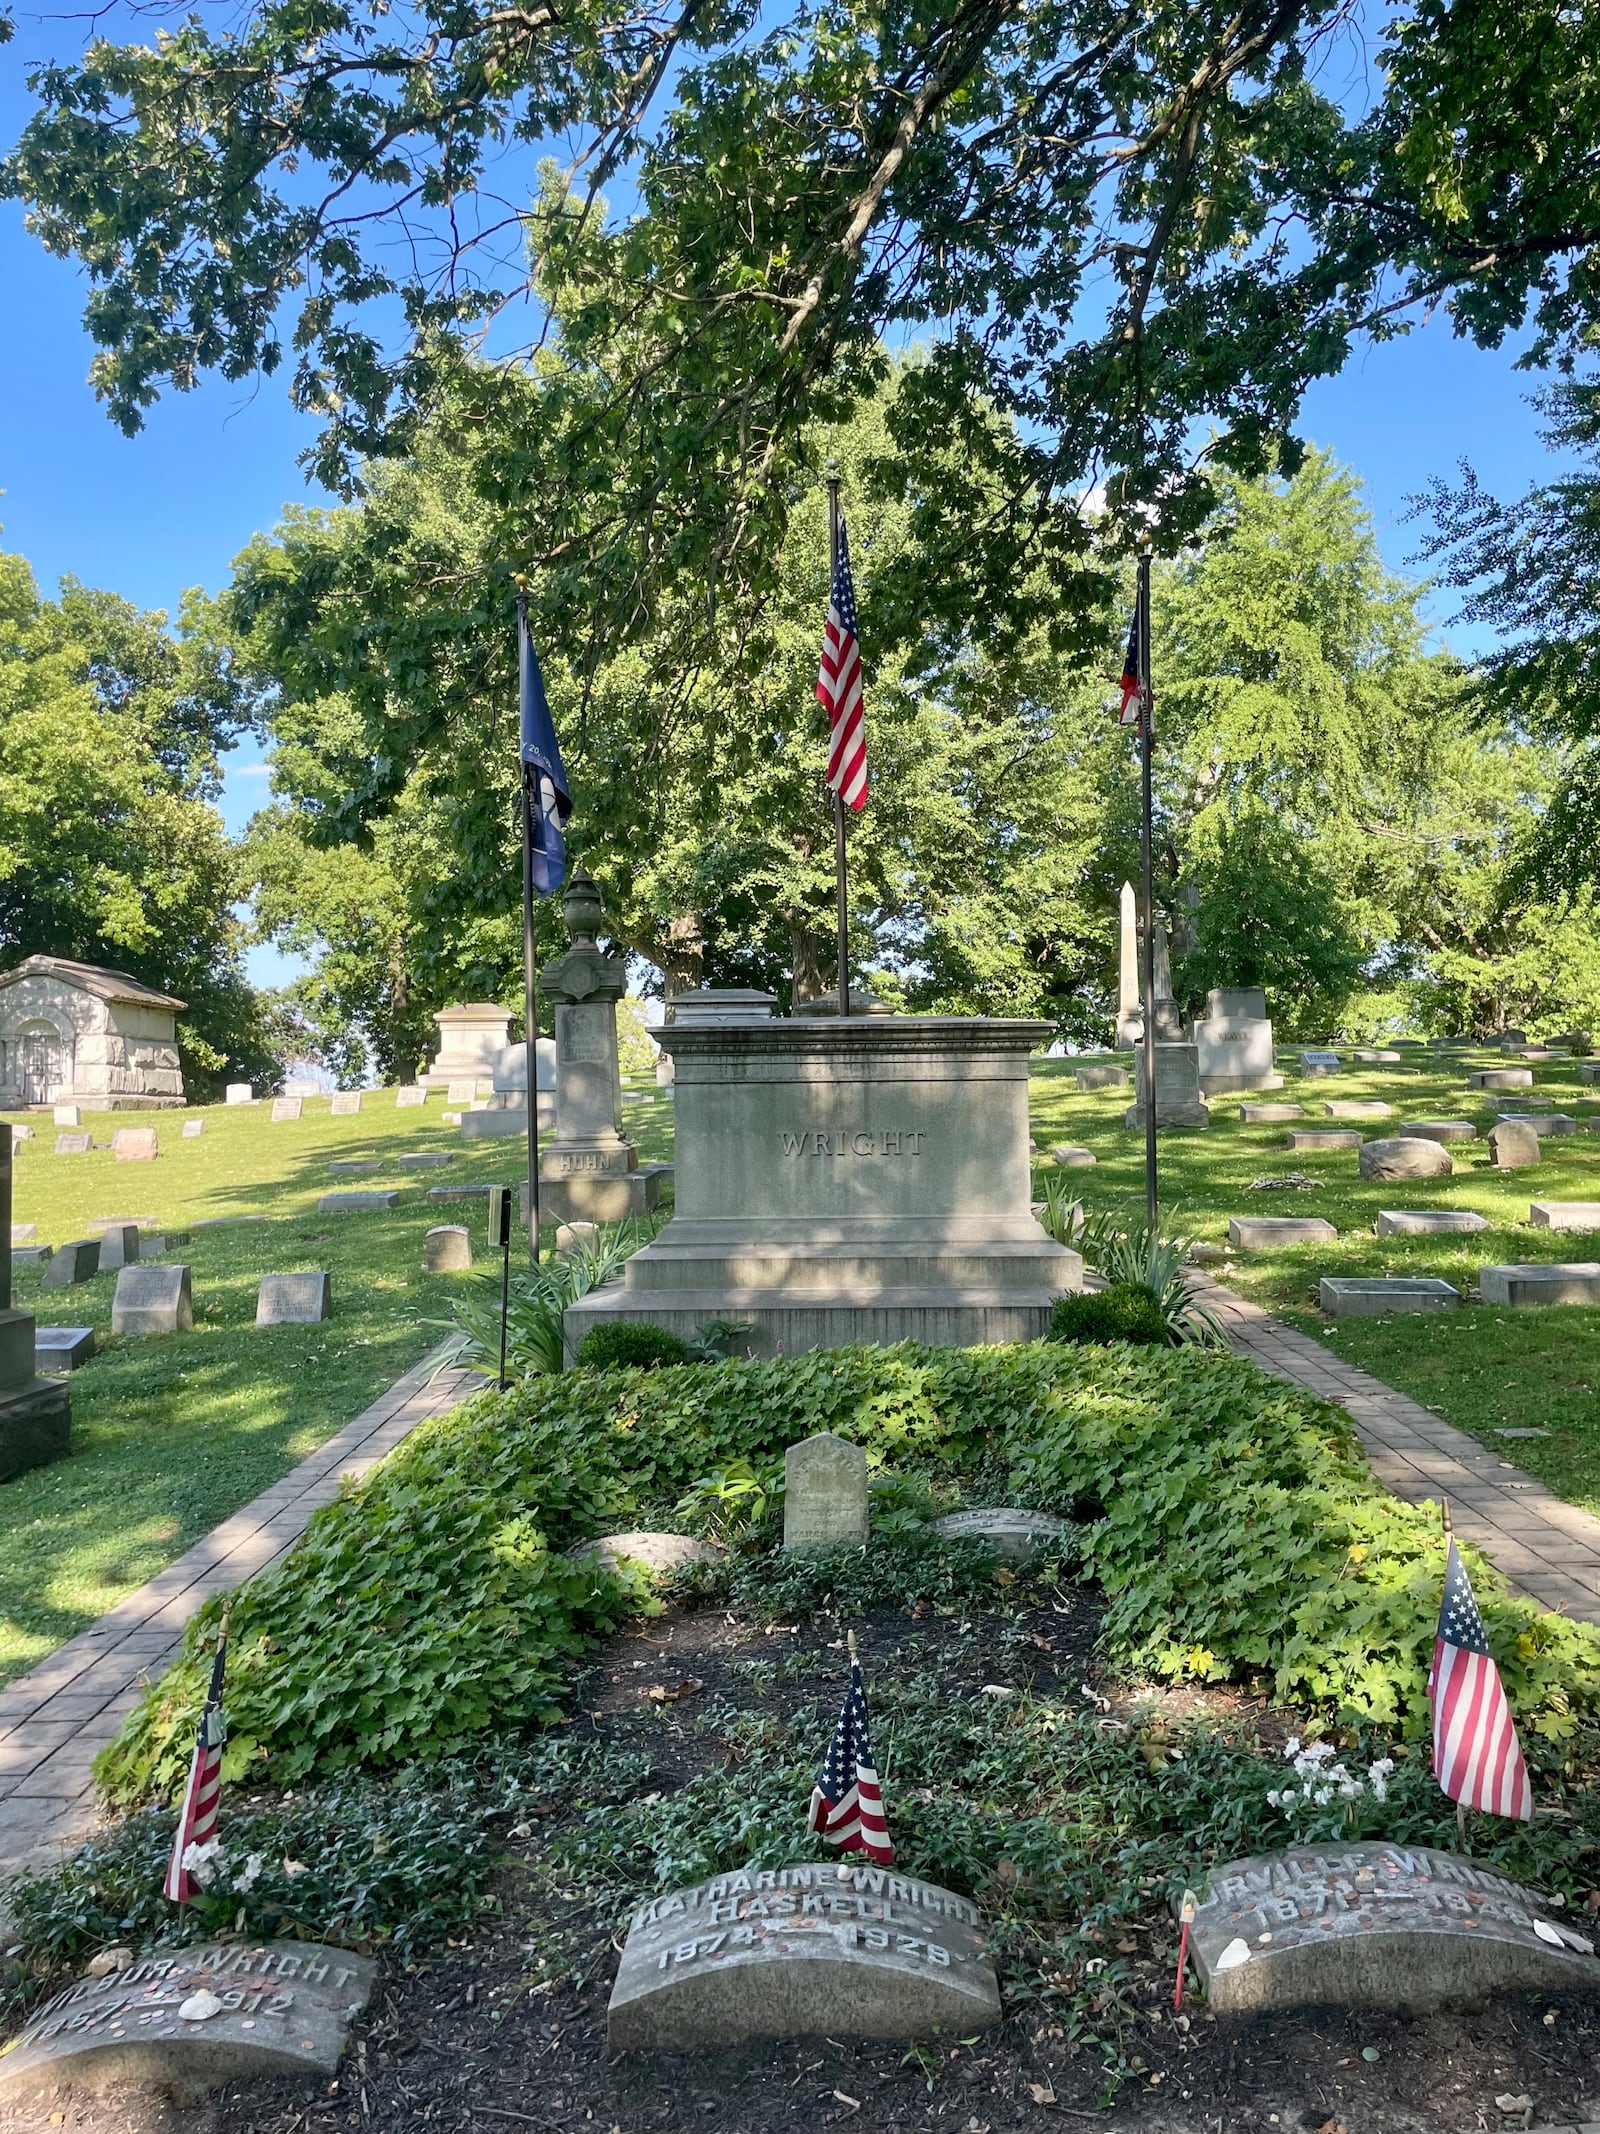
[1323, 1795]
[245, 1880]
[200, 1860]
[1274, 1799]
[1378, 1777]
[1291, 1748]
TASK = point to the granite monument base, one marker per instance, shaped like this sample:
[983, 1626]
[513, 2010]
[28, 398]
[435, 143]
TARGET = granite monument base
[35, 1423]
[602, 1196]
[856, 1180]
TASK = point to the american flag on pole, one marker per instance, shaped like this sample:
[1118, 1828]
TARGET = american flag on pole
[1132, 693]
[839, 686]
[846, 1802]
[544, 780]
[197, 1820]
[1477, 1757]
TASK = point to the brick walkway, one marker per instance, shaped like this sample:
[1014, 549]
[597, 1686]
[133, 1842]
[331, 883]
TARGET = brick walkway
[1547, 1548]
[56, 1720]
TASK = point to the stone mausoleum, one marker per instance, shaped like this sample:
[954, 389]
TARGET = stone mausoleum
[75, 1033]
[863, 1179]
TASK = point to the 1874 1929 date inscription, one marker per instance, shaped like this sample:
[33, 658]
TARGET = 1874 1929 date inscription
[793, 1951]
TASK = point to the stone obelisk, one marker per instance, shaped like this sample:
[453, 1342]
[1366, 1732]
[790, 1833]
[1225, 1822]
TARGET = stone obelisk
[1130, 1023]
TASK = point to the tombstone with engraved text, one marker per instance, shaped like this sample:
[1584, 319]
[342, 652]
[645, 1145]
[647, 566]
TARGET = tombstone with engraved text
[832, 1950]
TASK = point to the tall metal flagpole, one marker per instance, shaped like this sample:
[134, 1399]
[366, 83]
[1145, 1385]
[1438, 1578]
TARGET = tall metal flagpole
[840, 883]
[530, 972]
[1146, 721]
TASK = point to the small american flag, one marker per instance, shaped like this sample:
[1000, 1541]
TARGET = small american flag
[846, 1802]
[1132, 693]
[197, 1821]
[1477, 1757]
[839, 686]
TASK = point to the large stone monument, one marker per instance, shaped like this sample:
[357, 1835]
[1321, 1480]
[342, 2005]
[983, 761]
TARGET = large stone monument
[855, 1179]
[471, 1036]
[1234, 1041]
[35, 1413]
[591, 1171]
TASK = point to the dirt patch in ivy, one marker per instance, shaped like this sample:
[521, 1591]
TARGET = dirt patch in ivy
[493, 2035]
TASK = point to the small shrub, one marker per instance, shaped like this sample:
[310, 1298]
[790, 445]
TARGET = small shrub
[625, 1344]
[1120, 1313]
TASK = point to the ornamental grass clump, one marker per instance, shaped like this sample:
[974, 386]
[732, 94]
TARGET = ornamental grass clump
[1228, 1517]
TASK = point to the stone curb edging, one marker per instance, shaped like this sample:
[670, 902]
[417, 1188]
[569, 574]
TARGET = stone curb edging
[55, 1720]
[1547, 1548]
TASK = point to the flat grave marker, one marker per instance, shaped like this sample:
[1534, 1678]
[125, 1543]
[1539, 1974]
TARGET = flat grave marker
[1069, 1158]
[1542, 1122]
[1564, 1214]
[1439, 1129]
[1501, 1078]
[1269, 1114]
[1428, 1222]
[135, 1144]
[1264, 1233]
[1541, 1282]
[189, 2020]
[424, 1159]
[74, 1144]
[829, 1950]
[355, 1166]
[285, 1108]
[1358, 1108]
[62, 1348]
[24, 1233]
[355, 1203]
[1101, 1077]
[1322, 1137]
[294, 1299]
[1015, 1535]
[193, 1129]
[825, 1494]
[1370, 1925]
[1346, 1297]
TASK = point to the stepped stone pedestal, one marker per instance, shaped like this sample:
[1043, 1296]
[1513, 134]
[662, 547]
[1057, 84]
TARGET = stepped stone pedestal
[591, 1171]
[35, 1413]
[856, 1179]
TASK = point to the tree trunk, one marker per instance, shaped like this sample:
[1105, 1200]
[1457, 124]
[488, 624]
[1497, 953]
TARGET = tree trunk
[684, 963]
[805, 960]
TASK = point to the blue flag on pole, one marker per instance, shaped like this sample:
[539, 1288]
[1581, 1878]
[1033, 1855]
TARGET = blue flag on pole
[544, 780]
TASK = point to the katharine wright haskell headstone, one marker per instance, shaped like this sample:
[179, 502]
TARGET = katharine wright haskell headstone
[188, 2020]
[1397, 1926]
[833, 1950]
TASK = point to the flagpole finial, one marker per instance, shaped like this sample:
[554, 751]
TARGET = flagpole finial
[1448, 1528]
[850, 1644]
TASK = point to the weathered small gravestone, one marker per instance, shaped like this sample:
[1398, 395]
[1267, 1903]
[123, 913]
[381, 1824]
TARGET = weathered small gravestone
[1358, 1108]
[1501, 1078]
[825, 1494]
[1263, 1233]
[1072, 1159]
[1390, 1926]
[1513, 1147]
[30, 1255]
[100, 1224]
[74, 1144]
[461, 1093]
[447, 1248]
[410, 1096]
[294, 1299]
[119, 1246]
[70, 1264]
[1403, 1157]
[575, 1237]
[153, 1298]
[1101, 1077]
[24, 1233]
[1015, 1535]
[66, 1115]
[344, 1104]
[1542, 1122]
[135, 1144]
[285, 1108]
[62, 1348]
[1439, 1130]
[193, 1129]
[1269, 1114]
[302, 1085]
[22, 1133]
[355, 1166]
[238, 1093]
[187, 2020]
[1344, 1297]
[1322, 1137]
[1319, 1062]
[1541, 1283]
[355, 1203]
[1564, 1214]
[1423, 1222]
[834, 1951]
[438, 1195]
[424, 1159]
[651, 1552]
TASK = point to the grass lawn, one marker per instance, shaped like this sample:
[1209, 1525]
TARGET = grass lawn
[1485, 1367]
[172, 1434]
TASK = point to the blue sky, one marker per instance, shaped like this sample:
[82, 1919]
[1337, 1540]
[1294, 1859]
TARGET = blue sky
[149, 516]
